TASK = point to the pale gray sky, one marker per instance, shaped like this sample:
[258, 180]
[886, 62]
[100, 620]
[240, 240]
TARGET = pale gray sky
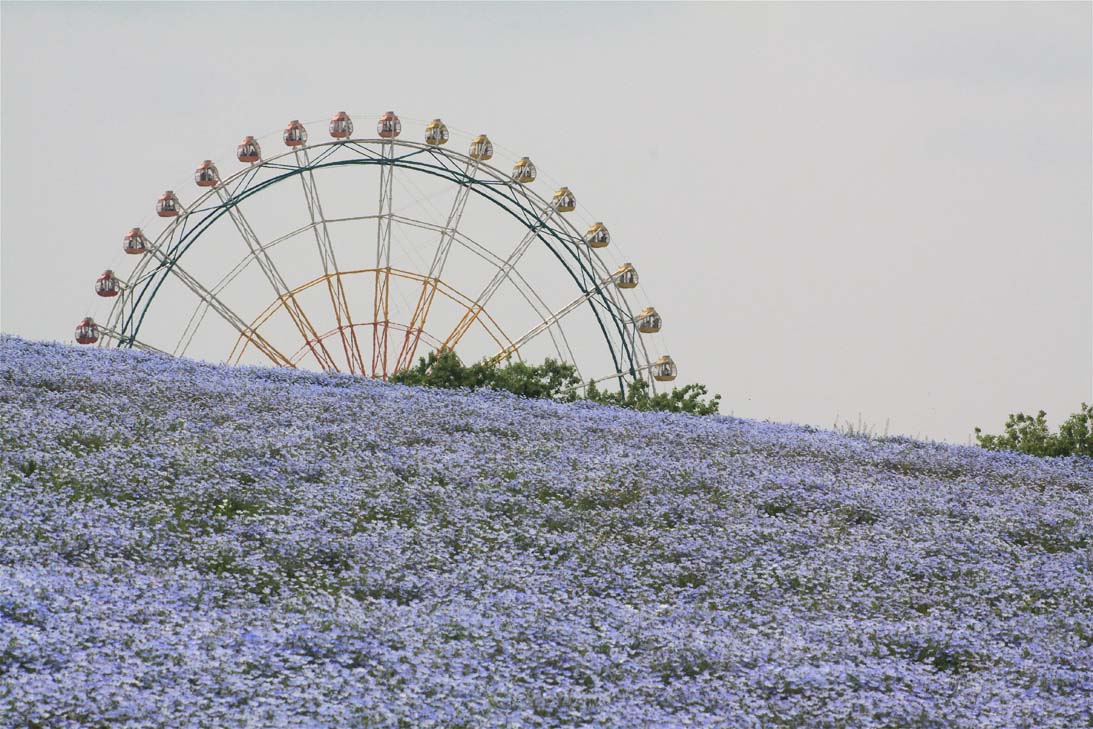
[837, 208]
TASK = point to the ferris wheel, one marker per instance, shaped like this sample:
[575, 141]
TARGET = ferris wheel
[359, 254]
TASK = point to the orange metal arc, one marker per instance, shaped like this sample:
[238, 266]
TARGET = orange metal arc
[349, 345]
[253, 336]
[352, 333]
[417, 323]
[487, 322]
[461, 328]
[338, 317]
[302, 351]
[380, 314]
[300, 318]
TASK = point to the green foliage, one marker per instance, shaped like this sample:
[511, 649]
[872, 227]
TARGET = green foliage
[686, 399]
[553, 380]
[441, 369]
[1031, 435]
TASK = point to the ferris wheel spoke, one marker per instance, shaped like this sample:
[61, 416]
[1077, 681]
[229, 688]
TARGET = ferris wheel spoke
[109, 332]
[260, 255]
[529, 203]
[549, 321]
[192, 326]
[648, 376]
[428, 290]
[328, 151]
[335, 289]
[500, 276]
[361, 150]
[611, 300]
[647, 369]
[381, 299]
[265, 247]
[123, 299]
[616, 305]
[563, 349]
[241, 181]
[301, 353]
[225, 312]
[142, 276]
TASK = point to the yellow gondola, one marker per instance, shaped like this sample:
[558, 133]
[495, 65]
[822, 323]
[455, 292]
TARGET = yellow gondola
[648, 321]
[664, 369]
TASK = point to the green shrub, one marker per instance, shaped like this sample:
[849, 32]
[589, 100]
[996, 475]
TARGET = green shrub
[552, 380]
[1031, 435]
[686, 399]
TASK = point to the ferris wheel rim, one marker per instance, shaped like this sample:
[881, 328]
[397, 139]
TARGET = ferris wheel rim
[572, 240]
[169, 232]
[569, 236]
[449, 291]
[499, 179]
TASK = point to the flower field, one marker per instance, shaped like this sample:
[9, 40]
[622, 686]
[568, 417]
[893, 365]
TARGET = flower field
[183, 544]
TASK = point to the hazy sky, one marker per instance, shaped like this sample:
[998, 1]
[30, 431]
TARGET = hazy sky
[842, 208]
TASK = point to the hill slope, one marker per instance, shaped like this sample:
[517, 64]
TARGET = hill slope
[196, 545]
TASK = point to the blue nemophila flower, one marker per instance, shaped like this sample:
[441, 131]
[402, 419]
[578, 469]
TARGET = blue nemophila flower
[188, 544]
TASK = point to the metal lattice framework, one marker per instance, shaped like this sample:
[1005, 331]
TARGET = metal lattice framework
[373, 343]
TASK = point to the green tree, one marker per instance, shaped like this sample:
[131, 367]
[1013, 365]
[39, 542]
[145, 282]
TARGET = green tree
[686, 399]
[1032, 435]
[441, 369]
[552, 380]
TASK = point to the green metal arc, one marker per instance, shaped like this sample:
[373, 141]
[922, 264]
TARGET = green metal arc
[531, 222]
[217, 211]
[617, 315]
[130, 328]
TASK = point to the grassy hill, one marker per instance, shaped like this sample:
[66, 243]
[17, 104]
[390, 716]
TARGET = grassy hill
[191, 545]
